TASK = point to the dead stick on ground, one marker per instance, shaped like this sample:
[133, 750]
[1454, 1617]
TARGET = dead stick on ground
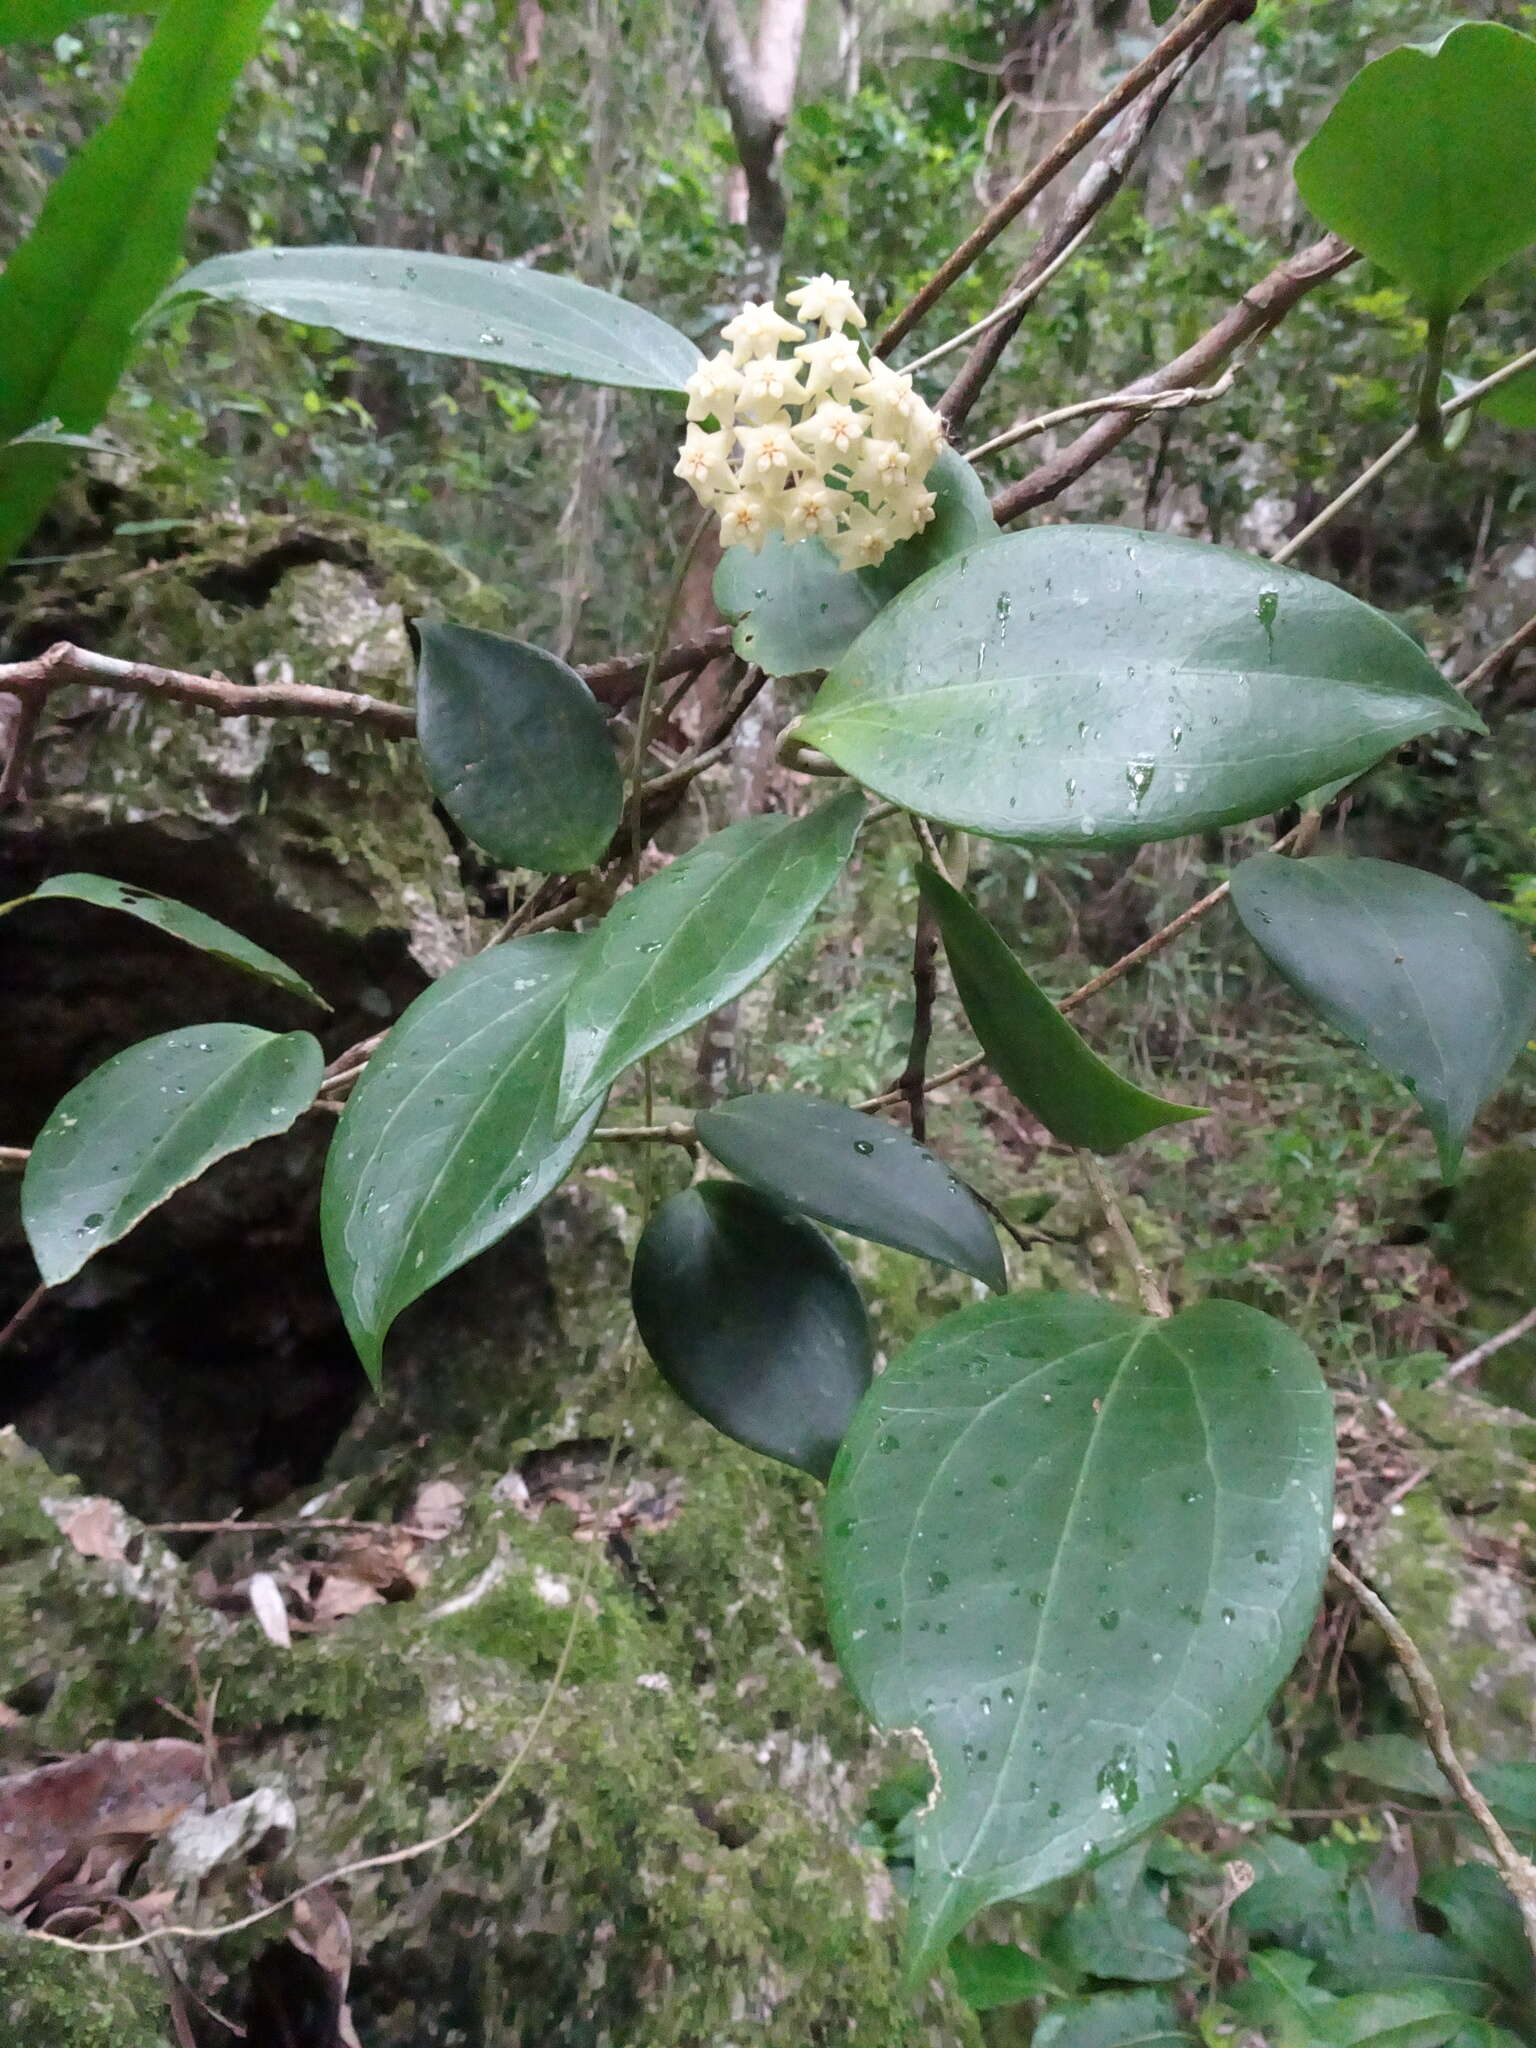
[1517, 1871]
[1192, 29]
[1491, 1347]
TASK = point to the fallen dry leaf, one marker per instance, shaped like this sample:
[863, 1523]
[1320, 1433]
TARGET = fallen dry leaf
[438, 1509]
[269, 1608]
[91, 1815]
[95, 1526]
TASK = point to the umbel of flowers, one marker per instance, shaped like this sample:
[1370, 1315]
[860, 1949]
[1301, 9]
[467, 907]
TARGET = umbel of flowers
[823, 444]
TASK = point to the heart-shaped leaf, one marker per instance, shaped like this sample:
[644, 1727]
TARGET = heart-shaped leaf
[1428, 162]
[857, 1173]
[1029, 1044]
[178, 921]
[754, 1321]
[695, 935]
[1425, 977]
[1093, 686]
[149, 1121]
[456, 306]
[517, 748]
[795, 611]
[1078, 1549]
[451, 1135]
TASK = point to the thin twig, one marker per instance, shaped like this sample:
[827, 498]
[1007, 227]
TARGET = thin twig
[13, 1158]
[13, 783]
[647, 1134]
[648, 690]
[1517, 1871]
[1261, 308]
[24, 1314]
[1153, 1298]
[1195, 26]
[1398, 449]
[1023, 298]
[1491, 1347]
[1501, 657]
[1115, 401]
[1095, 189]
[925, 985]
[233, 1525]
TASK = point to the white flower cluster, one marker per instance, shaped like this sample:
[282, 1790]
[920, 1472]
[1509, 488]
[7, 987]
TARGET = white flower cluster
[826, 444]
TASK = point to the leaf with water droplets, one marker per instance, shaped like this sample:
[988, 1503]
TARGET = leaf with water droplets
[1093, 686]
[692, 937]
[1079, 1549]
[517, 749]
[1424, 976]
[456, 306]
[178, 921]
[795, 611]
[451, 1136]
[1029, 1044]
[857, 1173]
[150, 1120]
[754, 1320]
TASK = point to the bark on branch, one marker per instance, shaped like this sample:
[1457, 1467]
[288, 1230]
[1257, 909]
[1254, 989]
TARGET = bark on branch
[757, 84]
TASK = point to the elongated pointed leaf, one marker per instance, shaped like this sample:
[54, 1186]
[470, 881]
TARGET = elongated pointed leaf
[451, 1136]
[517, 748]
[177, 920]
[107, 239]
[1031, 1047]
[1432, 983]
[149, 1121]
[1079, 1549]
[457, 306]
[754, 1321]
[692, 937]
[1428, 162]
[1091, 686]
[857, 1173]
[795, 611]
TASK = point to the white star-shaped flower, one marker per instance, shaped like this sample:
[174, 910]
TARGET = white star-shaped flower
[810, 511]
[831, 431]
[769, 454]
[712, 390]
[833, 365]
[744, 522]
[704, 464]
[768, 386]
[757, 331]
[827, 299]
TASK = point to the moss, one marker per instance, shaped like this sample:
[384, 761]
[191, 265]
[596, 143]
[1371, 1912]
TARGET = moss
[52, 1999]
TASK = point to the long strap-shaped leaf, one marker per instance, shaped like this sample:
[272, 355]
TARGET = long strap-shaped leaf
[108, 239]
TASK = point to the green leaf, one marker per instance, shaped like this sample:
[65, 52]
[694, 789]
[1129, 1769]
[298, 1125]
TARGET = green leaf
[1115, 2019]
[1129, 1936]
[692, 937]
[177, 920]
[40, 21]
[1512, 404]
[456, 306]
[149, 1121]
[1392, 2019]
[108, 237]
[1484, 1921]
[754, 1321]
[1162, 10]
[517, 748]
[795, 611]
[1280, 1996]
[1031, 1047]
[989, 1974]
[1428, 162]
[857, 1173]
[1047, 1500]
[451, 1135]
[1510, 1789]
[1390, 1960]
[1425, 977]
[1094, 686]
[1400, 1762]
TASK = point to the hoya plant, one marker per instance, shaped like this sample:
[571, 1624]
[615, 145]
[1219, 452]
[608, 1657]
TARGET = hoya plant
[1071, 1548]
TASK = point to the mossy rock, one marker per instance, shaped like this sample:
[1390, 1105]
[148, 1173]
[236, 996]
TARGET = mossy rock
[1491, 1248]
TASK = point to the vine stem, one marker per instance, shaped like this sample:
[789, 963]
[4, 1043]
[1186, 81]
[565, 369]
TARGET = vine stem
[648, 689]
[1517, 1871]
[1154, 1298]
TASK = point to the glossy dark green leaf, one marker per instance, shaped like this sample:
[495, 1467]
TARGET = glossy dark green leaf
[1402, 1763]
[1115, 2019]
[1124, 1932]
[1280, 1996]
[1428, 162]
[754, 1321]
[1510, 1789]
[857, 1173]
[451, 1135]
[1484, 1921]
[1094, 686]
[795, 611]
[695, 935]
[989, 1974]
[150, 1120]
[108, 237]
[457, 306]
[1046, 1501]
[1031, 1047]
[1393, 1960]
[177, 920]
[1432, 983]
[517, 748]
